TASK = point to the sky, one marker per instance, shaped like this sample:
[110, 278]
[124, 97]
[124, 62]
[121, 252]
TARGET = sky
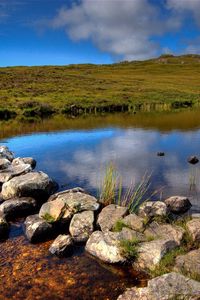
[61, 32]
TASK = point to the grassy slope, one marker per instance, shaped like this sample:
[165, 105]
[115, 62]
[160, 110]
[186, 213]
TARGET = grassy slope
[162, 80]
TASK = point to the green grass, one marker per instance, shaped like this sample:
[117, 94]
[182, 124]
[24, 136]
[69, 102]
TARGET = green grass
[47, 217]
[119, 225]
[159, 84]
[129, 248]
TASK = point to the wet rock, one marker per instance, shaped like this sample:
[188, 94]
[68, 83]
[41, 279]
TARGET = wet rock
[160, 153]
[18, 207]
[193, 160]
[81, 226]
[4, 163]
[52, 211]
[6, 153]
[13, 171]
[178, 204]
[129, 234]
[4, 227]
[152, 209]
[76, 201]
[151, 253]
[166, 287]
[189, 263]
[105, 246]
[26, 160]
[34, 184]
[62, 245]
[165, 231]
[110, 215]
[37, 229]
[134, 222]
[193, 227]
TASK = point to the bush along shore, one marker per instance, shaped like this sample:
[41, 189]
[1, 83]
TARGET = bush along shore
[161, 239]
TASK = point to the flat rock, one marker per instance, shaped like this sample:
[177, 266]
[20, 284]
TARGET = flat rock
[169, 286]
[151, 253]
[4, 163]
[13, 171]
[18, 207]
[189, 263]
[105, 246]
[81, 226]
[76, 201]
[62, 245]
[165, 231]
[37, 229]
[34, 184]
[152, 209]
[6, 153]
[73, 190]
[26, 160]
[134, 222]
[178, 204]
[193, 227]
[4, 227]
[52, 211]
[110, 215]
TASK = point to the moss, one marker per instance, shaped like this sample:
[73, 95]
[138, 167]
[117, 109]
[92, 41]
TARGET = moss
[129, 248]
[119, 225]
[47, 217]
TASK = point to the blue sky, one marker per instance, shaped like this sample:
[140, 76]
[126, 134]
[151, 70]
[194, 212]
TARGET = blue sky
[59, 32]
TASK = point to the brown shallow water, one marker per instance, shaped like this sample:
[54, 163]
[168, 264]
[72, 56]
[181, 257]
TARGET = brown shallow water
[29, 272]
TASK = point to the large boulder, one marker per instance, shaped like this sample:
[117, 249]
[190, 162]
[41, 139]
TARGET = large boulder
[151, 253]
[37, 229]
[134, 222]
[166, 231]
[110, 215]
[13, 171]
[6, 153]
[193, 227]
[52, 211]
[18, 207]
[105, 246]
[62, 245]
[26, 160]
[178, 204]
[4, 227]
[34, 184]
[76, 201]
[81, 226]
[189, 263]
[152, 209]
[169, 286]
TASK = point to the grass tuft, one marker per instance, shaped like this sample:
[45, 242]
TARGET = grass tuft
[129, 248]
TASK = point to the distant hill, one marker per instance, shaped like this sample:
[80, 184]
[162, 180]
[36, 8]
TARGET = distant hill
[167, 82]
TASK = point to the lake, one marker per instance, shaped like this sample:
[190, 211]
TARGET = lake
[75, 152]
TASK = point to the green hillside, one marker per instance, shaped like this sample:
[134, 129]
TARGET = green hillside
[166, 82]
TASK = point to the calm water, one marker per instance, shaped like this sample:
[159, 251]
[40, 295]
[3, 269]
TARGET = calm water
[75, 152]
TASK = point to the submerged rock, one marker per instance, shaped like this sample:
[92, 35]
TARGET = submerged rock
[81, 226]
[34, 184]
[37, 229]
[178, 204]
[105, 246]
[160, 153]
[134, 222]
[152, 209]
[52, 211]
[166, 287]
[193, 227]
[4, 227]
[6, 153]
[18, 207]
[193, 160]
[110, 215]
[189, 263]
[62, 245]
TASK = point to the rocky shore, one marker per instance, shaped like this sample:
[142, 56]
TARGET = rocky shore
[159, 230]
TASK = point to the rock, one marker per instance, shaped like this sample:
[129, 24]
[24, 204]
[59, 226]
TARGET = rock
[195, 215]
[160, 153]
[52, 211]
[34, 184]
[4, 163]
[105, 246]
[76, 201]
[4, 228]
[26, 160]
[166, 287]
[193, 227]
[74, 190]
[37, 229]
[6, 153]
[62, 245]
[14, 170]
[189, 263]
[81, 226]
[178, 204]
[18, 207]
[134, 222]
[129, 234]
[152, 209]
[193, 160]
[110, 215]
[151, 253]
[165, 231]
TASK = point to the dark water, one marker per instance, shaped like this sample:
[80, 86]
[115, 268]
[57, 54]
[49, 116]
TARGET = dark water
[75, 153]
